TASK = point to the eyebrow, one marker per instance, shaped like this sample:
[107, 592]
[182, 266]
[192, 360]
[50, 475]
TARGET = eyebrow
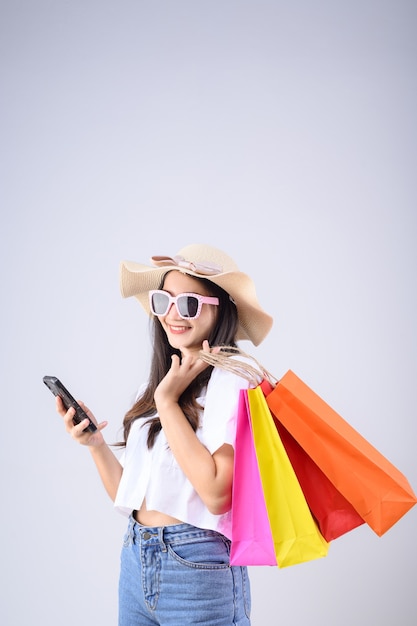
[204, 295]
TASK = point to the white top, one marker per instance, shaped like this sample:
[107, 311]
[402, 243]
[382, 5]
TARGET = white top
[155, 474]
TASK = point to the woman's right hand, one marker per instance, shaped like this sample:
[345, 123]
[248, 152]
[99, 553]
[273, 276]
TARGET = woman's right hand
[76, 431]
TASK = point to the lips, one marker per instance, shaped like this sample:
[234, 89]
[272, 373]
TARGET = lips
[178, 330]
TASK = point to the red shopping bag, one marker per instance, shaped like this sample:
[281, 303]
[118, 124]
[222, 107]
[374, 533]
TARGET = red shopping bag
[376, 489]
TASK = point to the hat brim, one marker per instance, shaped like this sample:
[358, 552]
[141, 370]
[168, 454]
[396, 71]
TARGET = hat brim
[254, 323]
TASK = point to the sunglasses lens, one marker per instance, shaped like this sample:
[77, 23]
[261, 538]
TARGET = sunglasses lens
[159, 303]
[187, 306]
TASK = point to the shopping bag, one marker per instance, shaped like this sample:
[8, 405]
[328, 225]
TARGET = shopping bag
[334, 515]
[377, 490]
[295, 534]
[252, 542]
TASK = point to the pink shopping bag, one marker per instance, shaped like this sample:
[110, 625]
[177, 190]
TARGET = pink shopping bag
[252, 542]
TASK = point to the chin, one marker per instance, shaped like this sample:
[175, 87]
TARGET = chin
[184, 345]
[177, 343]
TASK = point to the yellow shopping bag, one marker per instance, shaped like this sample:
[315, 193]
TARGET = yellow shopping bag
[296, 536]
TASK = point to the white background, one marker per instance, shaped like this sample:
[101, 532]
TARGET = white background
[281, 132]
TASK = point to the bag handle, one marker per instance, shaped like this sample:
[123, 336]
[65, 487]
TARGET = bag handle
[221, 358]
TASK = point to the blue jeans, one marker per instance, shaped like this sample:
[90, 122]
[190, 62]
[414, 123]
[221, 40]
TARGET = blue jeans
[179, 575]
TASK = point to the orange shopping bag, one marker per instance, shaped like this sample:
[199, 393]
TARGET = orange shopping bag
[377, 490]
[334, 515]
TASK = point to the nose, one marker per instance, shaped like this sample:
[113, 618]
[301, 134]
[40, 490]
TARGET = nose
[170, 309]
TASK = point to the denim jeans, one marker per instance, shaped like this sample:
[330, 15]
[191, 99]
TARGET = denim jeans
[179, 575]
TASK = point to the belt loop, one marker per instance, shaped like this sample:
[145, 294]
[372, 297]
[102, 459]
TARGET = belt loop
[161, 538]
[130, 530]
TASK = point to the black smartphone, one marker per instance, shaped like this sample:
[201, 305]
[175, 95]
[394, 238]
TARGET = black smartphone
[58, 389]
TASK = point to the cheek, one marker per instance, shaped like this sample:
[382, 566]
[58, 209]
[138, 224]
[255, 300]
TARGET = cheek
[211, 320]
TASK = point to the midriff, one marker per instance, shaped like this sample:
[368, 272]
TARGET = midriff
[154, 518]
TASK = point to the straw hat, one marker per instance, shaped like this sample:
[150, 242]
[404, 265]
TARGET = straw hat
[201, 261]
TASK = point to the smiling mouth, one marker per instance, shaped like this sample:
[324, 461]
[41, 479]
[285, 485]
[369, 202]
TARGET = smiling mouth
[178, 329]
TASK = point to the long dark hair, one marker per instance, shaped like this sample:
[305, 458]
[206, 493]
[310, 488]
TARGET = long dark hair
[222, 334]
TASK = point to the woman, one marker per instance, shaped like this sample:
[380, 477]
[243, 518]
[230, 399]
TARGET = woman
[174, 480]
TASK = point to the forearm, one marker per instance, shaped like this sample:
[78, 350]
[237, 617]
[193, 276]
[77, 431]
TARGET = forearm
[109, 468]
[210, 475]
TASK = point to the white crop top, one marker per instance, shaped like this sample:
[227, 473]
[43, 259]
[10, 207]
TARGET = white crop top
[155, 474]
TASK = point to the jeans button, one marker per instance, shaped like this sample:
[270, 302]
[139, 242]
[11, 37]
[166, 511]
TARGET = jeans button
[147, 535]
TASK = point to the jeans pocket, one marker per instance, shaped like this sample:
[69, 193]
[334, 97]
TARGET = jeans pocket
[207, 553]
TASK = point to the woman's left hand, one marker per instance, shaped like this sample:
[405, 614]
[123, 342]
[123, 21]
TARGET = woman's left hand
[180, 375]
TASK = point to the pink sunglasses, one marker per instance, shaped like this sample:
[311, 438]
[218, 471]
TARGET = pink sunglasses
[188, 304]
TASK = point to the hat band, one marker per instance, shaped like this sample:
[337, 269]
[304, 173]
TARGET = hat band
[204, 268]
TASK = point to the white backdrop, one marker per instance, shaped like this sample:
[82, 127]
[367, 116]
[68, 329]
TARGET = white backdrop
[282, 132]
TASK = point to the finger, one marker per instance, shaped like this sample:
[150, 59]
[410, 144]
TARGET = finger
[175, 362]
[60, 406]
[187, 358]
[206, 346]
[69, 419]
[78, 429]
